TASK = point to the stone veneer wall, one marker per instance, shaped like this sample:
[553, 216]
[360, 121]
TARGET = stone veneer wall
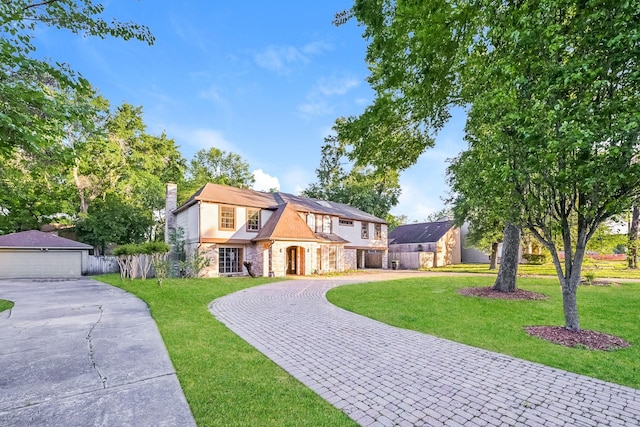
[210, 250]
[350, 259]
[254, 254]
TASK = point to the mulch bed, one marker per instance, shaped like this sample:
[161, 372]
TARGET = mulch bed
[489, 292]
[590, 339]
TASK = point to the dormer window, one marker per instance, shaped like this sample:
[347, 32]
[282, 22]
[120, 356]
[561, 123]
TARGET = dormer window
[326, 224]
[311, 221]
[253, 219]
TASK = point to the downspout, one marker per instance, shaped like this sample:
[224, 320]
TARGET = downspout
[199, 228]
[271, 242]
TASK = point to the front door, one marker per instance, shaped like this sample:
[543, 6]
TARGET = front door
[292, 260]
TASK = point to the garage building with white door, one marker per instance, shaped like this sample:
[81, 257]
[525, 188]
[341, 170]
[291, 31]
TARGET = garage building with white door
[35, 254]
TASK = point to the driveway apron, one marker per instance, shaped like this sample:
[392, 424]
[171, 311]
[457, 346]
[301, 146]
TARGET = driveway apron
[83, 353]
[385, 376]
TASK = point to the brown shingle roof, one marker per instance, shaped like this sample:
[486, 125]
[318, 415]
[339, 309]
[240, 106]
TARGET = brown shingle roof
[286, 224]
[224, 194]
[424, 232]
[37, 239]
[217, 193]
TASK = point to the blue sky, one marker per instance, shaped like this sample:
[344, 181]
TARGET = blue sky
[265, 80]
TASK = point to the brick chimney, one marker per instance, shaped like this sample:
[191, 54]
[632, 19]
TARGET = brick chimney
[171, 203]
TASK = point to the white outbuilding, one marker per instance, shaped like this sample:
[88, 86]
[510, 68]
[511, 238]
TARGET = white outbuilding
[35, 254]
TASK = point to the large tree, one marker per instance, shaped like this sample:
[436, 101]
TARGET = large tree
[30, 116]
[218, 167]
[365, 188]
[554, 103]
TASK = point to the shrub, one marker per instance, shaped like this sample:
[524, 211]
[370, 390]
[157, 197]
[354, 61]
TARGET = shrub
[535, 259]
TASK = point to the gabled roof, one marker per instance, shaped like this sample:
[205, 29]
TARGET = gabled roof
[425, 232]
[216, 193]
[286, 224]
[38, 240]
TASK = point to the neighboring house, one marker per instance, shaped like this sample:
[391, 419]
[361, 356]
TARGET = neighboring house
[277, 233]
[425, 245]
[471, 255]
[35, 254]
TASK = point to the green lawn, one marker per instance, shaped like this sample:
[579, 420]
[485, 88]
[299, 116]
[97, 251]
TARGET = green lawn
[432, 305]
[225, 380]
[5, 305]
[601, 269]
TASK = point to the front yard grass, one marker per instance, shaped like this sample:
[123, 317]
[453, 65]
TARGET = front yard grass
[600, 269]
[5, 305]
[225, 380]
[433, 306]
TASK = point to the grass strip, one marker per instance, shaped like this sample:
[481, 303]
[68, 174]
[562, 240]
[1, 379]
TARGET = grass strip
[225, 380]
[433, 306]
[600, 269]
[5, 305]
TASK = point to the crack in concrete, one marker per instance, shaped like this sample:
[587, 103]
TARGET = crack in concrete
[62, 397]
[89, 339]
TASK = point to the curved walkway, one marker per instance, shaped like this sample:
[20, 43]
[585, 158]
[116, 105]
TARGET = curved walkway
[83, 353]
[385, 376]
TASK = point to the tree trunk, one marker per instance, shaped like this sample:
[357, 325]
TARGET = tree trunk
[493, 258]
[632, 251]
[506, 281]
[570, 305]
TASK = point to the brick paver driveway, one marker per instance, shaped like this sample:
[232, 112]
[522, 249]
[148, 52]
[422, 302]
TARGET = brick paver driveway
[385, 376]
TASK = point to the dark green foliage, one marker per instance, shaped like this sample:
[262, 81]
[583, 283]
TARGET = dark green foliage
[535, 259]
[114, 221]
[32, 116]
[553, 97]
[367, 188]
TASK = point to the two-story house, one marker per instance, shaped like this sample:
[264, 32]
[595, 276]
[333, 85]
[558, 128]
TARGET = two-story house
[277, 233]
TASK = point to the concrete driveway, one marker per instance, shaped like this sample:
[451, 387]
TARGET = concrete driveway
[83, 353]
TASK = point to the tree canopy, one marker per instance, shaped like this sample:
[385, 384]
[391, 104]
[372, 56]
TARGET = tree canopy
[32, 115]
[552, 91]
[365, 188]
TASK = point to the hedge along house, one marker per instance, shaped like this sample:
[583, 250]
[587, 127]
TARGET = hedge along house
[425, 245]
[279, 234]
[35, 254]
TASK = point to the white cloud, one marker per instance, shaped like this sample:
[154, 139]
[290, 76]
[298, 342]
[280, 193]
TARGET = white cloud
[315, 109]
[280, 59]
[264, 181]
[317, 100]
[317, 47]
[296, 179]
[211, 94]
[191, 140]
[336, 85]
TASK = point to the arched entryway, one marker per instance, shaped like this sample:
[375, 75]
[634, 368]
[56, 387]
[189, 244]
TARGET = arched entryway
[295, 260]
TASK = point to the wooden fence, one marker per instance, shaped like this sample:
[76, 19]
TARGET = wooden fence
[412, 260]
[101, 265]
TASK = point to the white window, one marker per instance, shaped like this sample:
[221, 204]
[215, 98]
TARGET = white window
[346, 222]
[230, 260]
[364, 233]
[253, 219]
[311, 221]
[326, 224]
[377, 231]
[227, 218]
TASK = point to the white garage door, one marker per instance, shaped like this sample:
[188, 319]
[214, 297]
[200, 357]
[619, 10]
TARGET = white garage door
[40, 264]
